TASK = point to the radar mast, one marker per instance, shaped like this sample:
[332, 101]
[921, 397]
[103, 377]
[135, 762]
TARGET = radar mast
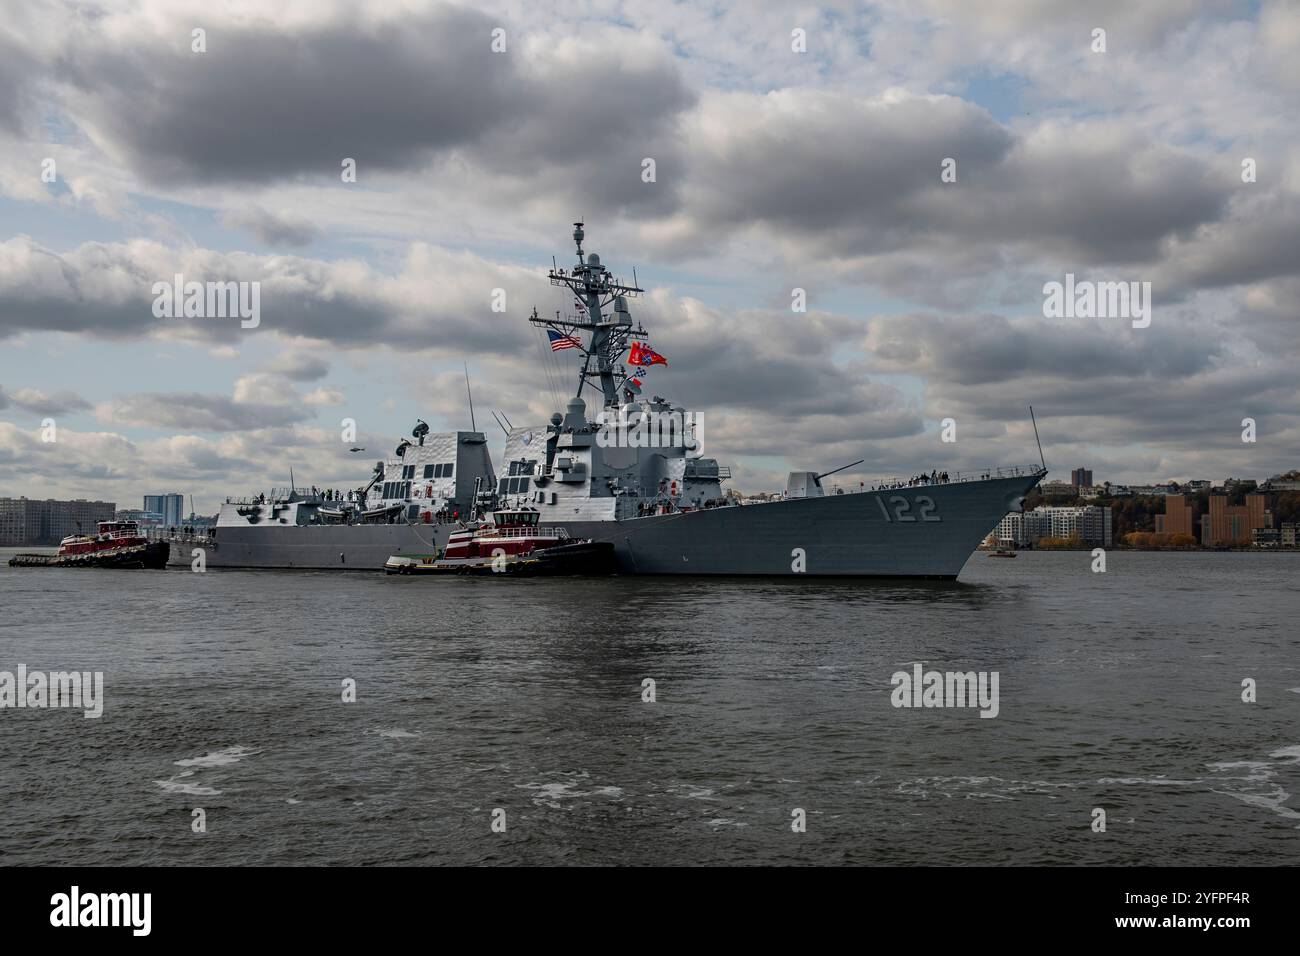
[601, 301]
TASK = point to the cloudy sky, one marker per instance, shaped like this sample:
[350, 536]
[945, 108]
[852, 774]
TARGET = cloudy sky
[775, 169]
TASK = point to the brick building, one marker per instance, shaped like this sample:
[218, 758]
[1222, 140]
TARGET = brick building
[25, 521]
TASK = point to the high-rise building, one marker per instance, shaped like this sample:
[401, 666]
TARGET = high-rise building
[1235, 524]
[1081, 477]
[171, 507]
[25, 521]
[1177, 516]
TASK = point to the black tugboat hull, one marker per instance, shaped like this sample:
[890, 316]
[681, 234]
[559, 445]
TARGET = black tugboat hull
[152, 555]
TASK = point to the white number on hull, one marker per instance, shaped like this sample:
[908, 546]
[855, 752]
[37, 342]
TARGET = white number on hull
[903, 507]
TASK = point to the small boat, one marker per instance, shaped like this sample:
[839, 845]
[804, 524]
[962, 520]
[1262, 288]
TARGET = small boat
[512, 543]
[1002, 553]
[386, 514]
[118, 544]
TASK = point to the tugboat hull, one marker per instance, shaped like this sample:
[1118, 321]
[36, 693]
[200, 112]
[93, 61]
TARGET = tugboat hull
[152, 555]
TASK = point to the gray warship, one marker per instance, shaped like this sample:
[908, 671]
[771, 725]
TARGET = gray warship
[629, 470]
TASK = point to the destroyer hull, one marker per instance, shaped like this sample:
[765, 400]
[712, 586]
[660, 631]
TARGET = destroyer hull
[312, 547]
[924, 531]
[927, 531]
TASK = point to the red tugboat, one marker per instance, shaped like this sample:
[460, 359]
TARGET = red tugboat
[513, 543]
[118, 544]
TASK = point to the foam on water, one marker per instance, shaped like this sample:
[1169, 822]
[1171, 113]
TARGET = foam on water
[551, 793]
[1258, 788]
[175, 785]
[219, 758]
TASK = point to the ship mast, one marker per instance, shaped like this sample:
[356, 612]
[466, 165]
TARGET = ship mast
[597, 290]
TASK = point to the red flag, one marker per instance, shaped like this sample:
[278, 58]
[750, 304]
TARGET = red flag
[643, 354]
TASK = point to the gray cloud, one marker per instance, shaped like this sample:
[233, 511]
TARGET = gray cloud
[38, 402]
[277, 103]
[270, 228]
[439, 300]
[837, 176]
[980, 349]
[298, 366]
[193, 411]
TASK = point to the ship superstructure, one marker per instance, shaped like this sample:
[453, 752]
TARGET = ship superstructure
[414, 498]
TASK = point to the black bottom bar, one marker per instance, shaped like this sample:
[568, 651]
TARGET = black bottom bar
[956, 907]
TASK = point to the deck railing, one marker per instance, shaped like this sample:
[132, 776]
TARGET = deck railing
[954, 477]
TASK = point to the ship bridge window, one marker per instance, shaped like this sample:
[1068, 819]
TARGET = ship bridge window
[408, 471]
[523, 466]
[413, 512]
[428, 471]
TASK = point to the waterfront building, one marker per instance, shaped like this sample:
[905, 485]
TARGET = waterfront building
[170, 506]
[1090, 524]
[29, 521]
[1266, 537]
[1011, 529]
[1177, 518]
[1234, 524]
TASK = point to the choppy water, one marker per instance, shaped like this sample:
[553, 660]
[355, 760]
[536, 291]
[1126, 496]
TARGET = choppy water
[223, 691]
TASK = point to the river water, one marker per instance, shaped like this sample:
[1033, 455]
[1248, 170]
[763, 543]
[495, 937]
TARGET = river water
[523, 702]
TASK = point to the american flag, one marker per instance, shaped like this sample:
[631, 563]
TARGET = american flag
[559, 342]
